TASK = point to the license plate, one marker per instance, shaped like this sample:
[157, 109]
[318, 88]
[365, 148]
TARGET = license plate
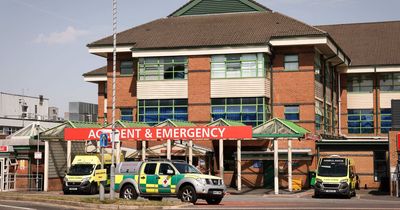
[217, 192]
[331, 191]
[73, 188]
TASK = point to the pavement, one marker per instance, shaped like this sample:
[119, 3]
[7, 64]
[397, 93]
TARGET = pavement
[247, 198]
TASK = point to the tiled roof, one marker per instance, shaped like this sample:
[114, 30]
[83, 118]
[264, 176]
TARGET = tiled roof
[97, 72]
[368, 43]
[211, 30]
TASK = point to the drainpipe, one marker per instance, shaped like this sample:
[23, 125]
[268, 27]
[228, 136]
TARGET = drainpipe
[339, 100]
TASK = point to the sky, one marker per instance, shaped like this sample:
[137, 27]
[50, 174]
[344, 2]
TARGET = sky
[43, 42]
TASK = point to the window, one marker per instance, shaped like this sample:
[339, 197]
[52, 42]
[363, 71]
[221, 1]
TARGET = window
[163, 68]
[328, 118]
[237, 65]
[291, 62]
[359, 83]
[127, 114]
[250, 111]
[126, 67]
[380, 166]
[319, 113]
[317, 67]
[150, 168]
[164, 168]
[389, 82]
[155, 111]
[386, 120]
[292, 113]
[360, 121]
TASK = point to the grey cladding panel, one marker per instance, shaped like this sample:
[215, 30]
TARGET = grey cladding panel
[396, 115]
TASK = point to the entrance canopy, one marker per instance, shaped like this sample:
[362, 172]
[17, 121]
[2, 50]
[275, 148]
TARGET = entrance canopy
[279, 128]
[57, 133]
[24, 136]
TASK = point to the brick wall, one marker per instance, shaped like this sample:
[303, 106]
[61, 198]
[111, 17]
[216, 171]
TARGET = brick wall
[100, 102]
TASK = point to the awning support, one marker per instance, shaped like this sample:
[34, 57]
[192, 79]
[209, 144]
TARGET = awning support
[221, 158]
[46, 166]
[276, 165]
[190, 152]
[239, 165]
[143, 150]
[290, 165]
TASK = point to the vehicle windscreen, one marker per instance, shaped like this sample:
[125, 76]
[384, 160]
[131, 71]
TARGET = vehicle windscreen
[333, 167]
[185, 168]
[81, 169]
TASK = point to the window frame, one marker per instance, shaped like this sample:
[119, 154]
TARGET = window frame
[392, 87]
[142, 106]
[160, 65]
[360, 127]
[291, 113]
[126, 115]
[131, 69]
[285, 61]
[360, 78]
[383, 128]
[259, 61]
[228, 109]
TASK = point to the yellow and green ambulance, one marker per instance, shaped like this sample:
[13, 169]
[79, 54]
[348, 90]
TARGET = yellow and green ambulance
[80, 177]
[157, 179]
[336, 176]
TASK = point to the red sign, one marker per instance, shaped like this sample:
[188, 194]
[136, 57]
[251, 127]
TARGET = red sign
[164, 133]
[3, 148]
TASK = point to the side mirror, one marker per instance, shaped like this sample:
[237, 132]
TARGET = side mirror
[170, 172]
[352, 175]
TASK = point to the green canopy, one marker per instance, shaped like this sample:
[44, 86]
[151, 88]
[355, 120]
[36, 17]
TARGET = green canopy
[279, 128]
[129, 124]
[223, 122]
[58, 131]
[175, 123]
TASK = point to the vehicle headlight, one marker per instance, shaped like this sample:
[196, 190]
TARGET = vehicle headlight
[222, 182]
[344, 180]
[318, 180]
[201, 181]
[85, 179]
[65, 179]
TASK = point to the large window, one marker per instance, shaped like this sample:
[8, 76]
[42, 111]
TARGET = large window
[360, 121]
[126, 67]
[155, 111]
[386, 120]
[237, 65]
[319, 113]
[292, 112]
[291, 62]
[163, 68]
[317, 67]
[250, 111]
[127, 114]
[389, 82]
[359, 83]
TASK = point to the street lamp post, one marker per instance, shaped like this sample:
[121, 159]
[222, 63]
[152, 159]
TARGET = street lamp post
[112, 172]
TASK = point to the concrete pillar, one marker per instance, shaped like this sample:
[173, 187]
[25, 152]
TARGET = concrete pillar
[290, 165]
[239, 165]
[276, 167]
[143, 150]
[69, 154]
[221, 158]
[169, 149]
[46, 166]
[190, 152]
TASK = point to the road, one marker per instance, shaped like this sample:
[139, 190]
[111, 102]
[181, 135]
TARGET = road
[259, 201]
[29, 205]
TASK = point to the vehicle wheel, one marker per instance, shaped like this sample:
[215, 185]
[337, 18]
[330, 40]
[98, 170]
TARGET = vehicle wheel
[128, 192]
[316, 194]
[188, 194]
[66, 192]
[155, 198]
[214, 201]
[93, 188]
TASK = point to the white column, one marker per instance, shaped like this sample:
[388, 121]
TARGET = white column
[221, 158]
[190, 152]
[290, 165]
[169, 149]
[239, 165]
[143, 150]
[276, 171]
[46, 166]
[69, 151]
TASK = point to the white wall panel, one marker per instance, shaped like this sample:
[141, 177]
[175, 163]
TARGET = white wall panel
[386, 98]
[162, 89]
[360, 101]
[251, 87]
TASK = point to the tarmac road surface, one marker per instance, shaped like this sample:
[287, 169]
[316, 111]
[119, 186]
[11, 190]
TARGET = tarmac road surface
[29, 205]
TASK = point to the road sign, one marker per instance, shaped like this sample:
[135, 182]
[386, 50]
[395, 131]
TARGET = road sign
[100, 175]
[103, 140]
[38, 155]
